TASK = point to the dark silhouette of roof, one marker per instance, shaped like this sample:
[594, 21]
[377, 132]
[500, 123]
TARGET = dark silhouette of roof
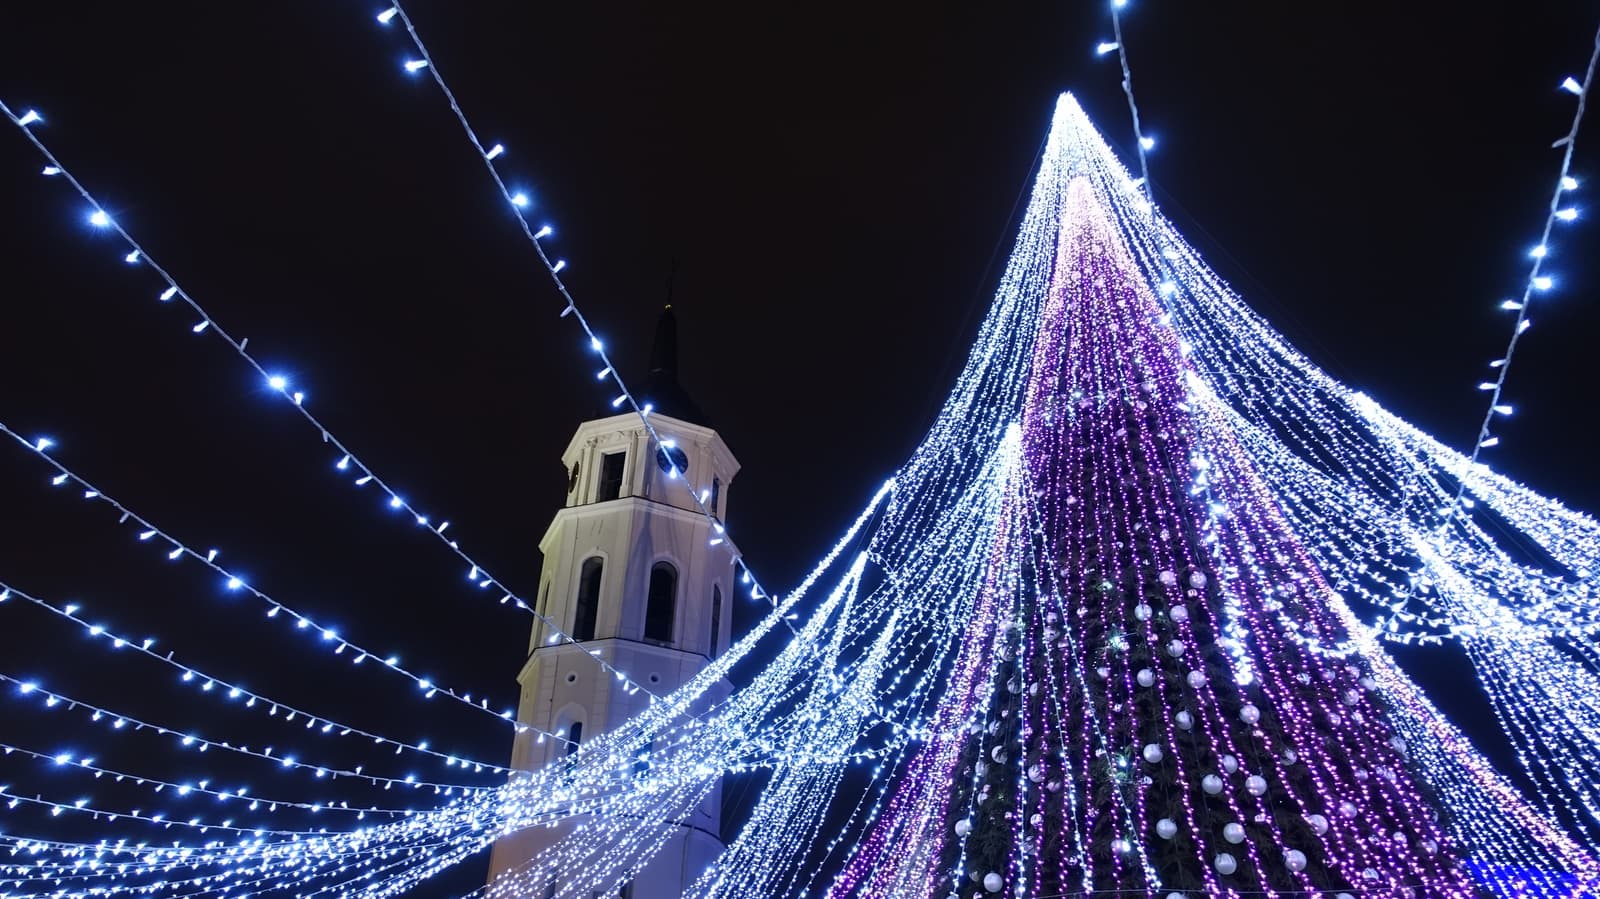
[661, 388]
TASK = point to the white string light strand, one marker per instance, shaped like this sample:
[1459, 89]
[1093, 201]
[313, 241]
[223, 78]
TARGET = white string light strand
[121, 720]
[210, 683]
[519, 204]
[1536, 281]
[177, 549]
[280, 384]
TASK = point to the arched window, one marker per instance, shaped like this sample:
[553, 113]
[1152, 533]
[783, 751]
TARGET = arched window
[588, 606]
[716, 619]
[574, 737]
[661, 607]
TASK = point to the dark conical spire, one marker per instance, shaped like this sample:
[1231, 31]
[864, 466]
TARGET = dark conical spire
[661, 387]
[664, 351]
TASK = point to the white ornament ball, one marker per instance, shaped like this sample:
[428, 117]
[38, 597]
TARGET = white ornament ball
[1369, 874]
[1152, 753]
[1294, 860]
[1347, 808]
[1168, 579]
[1249, 714]
[999, 754]
[982, 769]
[1179, 613]
[1197, 579]
[1367, 683]
[1318, 823]
[1351, 697]
[1145, 677]
[963, 827]
[1037, 821]
[1142, 612]
[1036, 773]
[1256, 784]
[1174, 896]
[1233, 832]
[1430, 847]
[1175, 648]
[1230, 764]
[1166, 828]
[1211, 783]
[1344, 896]
[1183, 719]
[1197, 679]
[1224, 863]
[1103, 671]
[992, 882]
[1121, 846]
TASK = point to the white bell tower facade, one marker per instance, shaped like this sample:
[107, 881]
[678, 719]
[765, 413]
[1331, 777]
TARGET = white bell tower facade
[631, 574]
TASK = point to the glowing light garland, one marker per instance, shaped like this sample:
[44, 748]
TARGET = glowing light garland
[348, 461]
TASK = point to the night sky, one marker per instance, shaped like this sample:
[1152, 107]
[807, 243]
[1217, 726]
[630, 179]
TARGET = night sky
[836, 185]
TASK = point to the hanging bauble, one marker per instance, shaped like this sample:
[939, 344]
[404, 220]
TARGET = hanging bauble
[1197, 679]
[1121, 846]
[1033, 690]
[1145, 677]
[1255, 784]
[1166, 828]
[1174, 896]
[1351, 697]
[1430, 847]
[1037, 821]
[1013, 687]
[1335, 719]
[1249, 714]
[1197, 579]
[1142, 612]
[1103, 671]
[1362, 774]
[1179, 613]
[1344, 896]
[1036, 773]
[1348, 809]
[1233, 832]
[1229, 764]
[1175, 648]
[982, 769]
[1290, 757]
[1211, 783]
[1183, 719]
[1367, 683]
[1399, 744]
[1319, 824]
[963, 827]
[1369, 874]
[1294, 860]
[1168, 579]
[999, 755]
[1152, 753]
[992, 882]
[1224, 863]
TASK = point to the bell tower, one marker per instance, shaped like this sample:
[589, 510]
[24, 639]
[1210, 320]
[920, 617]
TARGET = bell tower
[631, 574]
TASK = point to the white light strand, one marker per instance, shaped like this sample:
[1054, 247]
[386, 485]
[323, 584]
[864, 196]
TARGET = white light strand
[319, 633]
[1536, 281]
[348, 460]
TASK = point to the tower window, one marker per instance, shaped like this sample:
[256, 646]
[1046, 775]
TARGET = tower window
[641, 759]
[716, 619]
[716, 496]
[588, 605]
[574, 737]
[610, 486]
[661, 606]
